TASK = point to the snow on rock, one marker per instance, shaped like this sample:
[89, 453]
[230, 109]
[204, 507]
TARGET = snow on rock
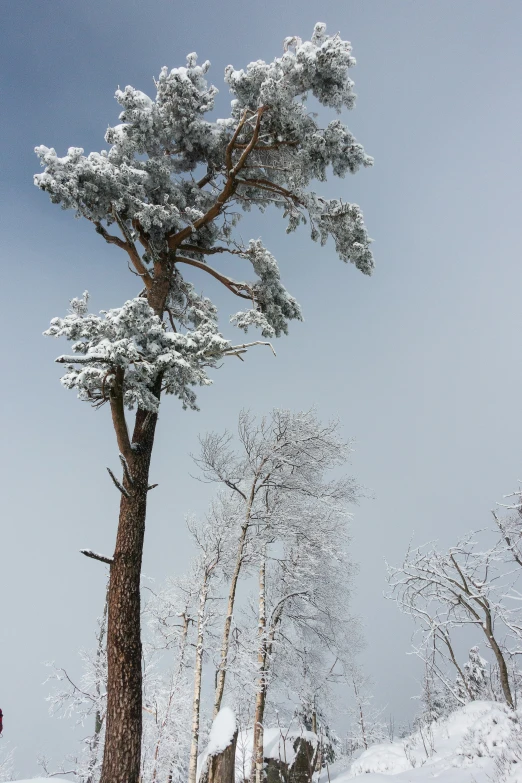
[478, 743]
[222, 731]
[278, 744]
[221, 734]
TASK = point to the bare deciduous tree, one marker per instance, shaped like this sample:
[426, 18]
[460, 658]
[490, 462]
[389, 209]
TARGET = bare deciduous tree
[272, 479]
[459, 588]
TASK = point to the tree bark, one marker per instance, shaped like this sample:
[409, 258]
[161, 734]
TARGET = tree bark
[503, 671]
[122, 752]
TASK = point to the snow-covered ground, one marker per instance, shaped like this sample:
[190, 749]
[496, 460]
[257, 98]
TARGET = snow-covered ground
[479, 743]
[474, 745]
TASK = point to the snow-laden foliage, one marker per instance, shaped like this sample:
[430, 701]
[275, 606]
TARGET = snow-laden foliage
[173, 136]
[86, 702]
[476, 674]
[288, 452]
[7, 764]
[166, 720]
[173, 184]
[130, 346]
[366, 725]
[277, 307]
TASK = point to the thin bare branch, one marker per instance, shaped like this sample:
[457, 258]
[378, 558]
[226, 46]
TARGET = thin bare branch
[126, 470]
[117, 484]
[232, 285]
[236, 350]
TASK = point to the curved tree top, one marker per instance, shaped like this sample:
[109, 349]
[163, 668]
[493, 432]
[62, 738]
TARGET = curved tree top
[170, 189]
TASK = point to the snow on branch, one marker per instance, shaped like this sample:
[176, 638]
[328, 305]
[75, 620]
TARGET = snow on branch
[96, 556]
[267, 152]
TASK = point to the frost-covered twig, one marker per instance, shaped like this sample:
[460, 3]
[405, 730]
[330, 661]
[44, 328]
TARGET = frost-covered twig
[237, 350]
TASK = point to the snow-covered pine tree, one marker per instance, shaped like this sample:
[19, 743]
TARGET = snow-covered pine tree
[167, 193]
[436, 701]
[475, 670]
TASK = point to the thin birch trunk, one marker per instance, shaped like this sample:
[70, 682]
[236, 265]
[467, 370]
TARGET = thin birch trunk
[361, 721]
[198, 666]
[258, 747]
[175, 681]
[99, 717]
[225, 642]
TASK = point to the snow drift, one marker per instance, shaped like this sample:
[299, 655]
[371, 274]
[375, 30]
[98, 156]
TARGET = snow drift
[478, 743]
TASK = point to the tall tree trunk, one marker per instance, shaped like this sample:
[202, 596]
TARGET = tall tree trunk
[501, 662]
[360, 721]
[123, 732]
[319, 758]
[198, 666]
[121, 758]
[225, 642]
[258, 745]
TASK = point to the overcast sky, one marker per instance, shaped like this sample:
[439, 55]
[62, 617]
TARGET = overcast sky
[421, 362]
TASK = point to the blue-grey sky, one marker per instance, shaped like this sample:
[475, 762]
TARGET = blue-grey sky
[421, 361]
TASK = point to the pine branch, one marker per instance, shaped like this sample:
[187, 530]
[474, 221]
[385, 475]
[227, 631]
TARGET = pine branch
[118, 416]
[96, 556]
[209, 251]
[126, 470]
[117, 484]
[232, 285]
[128, 246]
[229, 189]
[237, 350]
[82, 359]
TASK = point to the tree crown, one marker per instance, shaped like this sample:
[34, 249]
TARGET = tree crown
[173, 184]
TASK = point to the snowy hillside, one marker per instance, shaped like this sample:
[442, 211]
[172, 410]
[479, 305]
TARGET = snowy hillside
[479, 743]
